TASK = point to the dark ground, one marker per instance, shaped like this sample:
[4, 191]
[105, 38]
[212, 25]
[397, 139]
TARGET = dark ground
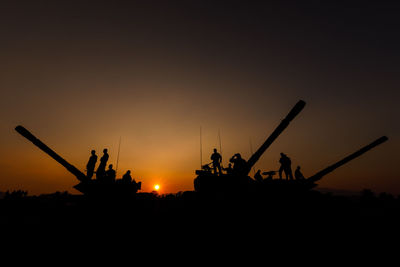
[310, 209]
[204, 229]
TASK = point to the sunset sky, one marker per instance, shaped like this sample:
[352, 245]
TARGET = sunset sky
[81, 74]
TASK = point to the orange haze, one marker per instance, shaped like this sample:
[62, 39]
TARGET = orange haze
[80, 76]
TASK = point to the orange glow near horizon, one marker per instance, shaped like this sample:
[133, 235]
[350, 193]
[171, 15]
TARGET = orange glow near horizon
[39, 173]
[154, 74]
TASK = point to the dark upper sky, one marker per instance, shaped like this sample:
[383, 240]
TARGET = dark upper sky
[82, 73]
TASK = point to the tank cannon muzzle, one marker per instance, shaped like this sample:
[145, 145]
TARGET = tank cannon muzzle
[72, 169]
[356, 154]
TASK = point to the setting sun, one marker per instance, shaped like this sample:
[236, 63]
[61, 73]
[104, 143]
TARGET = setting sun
[157, 187]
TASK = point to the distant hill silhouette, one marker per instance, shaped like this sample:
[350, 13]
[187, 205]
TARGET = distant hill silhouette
[339, 192]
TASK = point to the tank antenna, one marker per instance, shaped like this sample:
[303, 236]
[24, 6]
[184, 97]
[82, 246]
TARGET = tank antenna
[119, 147]
[219, 139]
[201, 150]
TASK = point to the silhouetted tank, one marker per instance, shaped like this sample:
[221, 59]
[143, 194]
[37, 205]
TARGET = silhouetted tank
[279, 185]
[207, 182]
[86, 186]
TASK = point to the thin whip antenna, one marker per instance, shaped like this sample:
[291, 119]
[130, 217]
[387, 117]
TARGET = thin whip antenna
[201, 150]
[220, 145]
[119, 148]
[219, 139]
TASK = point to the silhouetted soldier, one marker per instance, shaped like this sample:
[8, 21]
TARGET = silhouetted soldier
[285, 166]
[127, 178]
[100, 173]
[297, 174]
[216, 160]
[258, 177]
[228, 170]
[110, 174]
[91, 164]
[239, 164]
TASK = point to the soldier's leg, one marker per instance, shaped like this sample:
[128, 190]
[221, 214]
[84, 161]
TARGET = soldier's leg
[89, 174]
[219, 169]
[280, 172]
[290, 174]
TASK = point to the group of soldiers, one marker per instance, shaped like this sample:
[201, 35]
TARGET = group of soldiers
[103, 175]
[287, 169]
[240, 167]
[239, 164]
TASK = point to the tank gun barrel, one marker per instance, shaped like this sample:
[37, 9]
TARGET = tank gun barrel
[281, 127]
[72, 169]
[356, 154]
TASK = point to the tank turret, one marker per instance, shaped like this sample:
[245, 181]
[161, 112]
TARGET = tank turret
[86, 185]
[239, 180]
[280, 186]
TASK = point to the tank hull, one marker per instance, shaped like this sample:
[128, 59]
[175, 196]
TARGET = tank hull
[210, 184]
[86, 185]
[207, 182]
[96, 188]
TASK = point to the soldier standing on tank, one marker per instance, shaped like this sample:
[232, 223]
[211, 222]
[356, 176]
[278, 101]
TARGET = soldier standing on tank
[285, 166]
[216, 160]
[91, 164]
[100, 173]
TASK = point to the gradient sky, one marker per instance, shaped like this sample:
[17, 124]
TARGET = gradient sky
[81, 74]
